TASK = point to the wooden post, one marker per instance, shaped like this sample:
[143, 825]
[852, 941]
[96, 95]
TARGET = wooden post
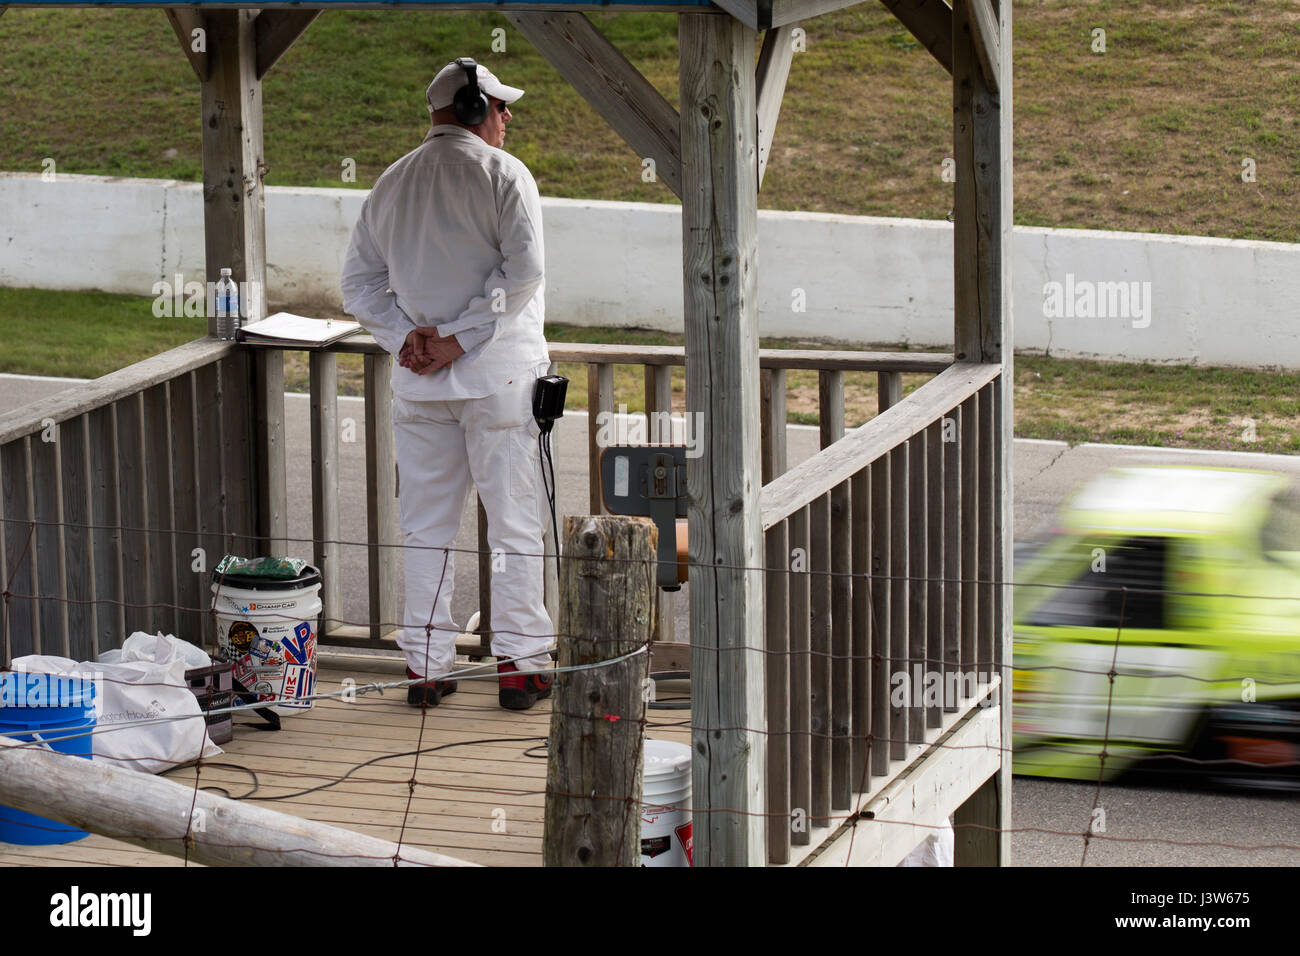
[593, 779]
[161, 815]
[234, 213]
[720, 273]
[983, 333]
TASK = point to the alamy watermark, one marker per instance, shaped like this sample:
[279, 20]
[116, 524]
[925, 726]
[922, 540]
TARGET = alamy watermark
[922, 688]
[198, 299]
[1085, 299]
[127, 910]
[22, 689]
[620, 428]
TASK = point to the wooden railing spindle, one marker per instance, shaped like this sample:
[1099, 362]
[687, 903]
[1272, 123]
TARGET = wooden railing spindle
[800, 587]
[881, 540]
[819, 554]
[935, 532]
[777, 638]
[47, 544]
[952, 553]
[918, 669]
[970, 529]
[860, 645]
[382, 524]
[325, 482]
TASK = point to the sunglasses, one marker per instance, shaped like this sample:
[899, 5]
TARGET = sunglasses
[502, 106]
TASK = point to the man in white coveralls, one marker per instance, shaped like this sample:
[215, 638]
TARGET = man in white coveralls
[445, 269]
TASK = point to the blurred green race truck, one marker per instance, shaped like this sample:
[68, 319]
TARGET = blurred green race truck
[1162, 619]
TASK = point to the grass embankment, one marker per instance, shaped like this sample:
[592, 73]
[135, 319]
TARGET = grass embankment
[90, 334]
[1147, 136]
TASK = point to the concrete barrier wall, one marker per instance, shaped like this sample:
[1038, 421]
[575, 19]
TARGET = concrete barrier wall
[861, 280]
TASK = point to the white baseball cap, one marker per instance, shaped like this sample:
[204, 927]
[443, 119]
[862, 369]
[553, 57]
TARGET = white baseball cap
[442, 91]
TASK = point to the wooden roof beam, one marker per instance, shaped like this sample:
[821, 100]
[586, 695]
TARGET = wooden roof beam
[930, 21]
[773, 70]
[185, 20]
[746, 11]
[613, 87]
[779, 13]
[766, 14]
[984, 31]
[274, 31]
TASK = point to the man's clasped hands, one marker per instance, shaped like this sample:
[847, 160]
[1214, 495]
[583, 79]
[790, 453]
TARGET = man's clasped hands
[426, 351]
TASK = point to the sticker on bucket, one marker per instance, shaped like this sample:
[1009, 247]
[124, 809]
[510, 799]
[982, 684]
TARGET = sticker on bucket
[666, 805]
[266, 629]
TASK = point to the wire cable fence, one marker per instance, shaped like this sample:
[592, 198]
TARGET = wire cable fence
[419, 799]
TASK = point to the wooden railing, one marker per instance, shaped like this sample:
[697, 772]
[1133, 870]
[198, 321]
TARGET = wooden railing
[881, 556]
[118, 497]
[658, 363]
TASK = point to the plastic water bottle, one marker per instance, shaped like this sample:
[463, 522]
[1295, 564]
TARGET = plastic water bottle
[227, 306]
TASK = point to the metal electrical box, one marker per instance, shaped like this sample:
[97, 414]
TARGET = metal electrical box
[650, 481]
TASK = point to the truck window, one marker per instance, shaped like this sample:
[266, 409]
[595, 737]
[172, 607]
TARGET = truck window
[1095, 599]
[1281, 531]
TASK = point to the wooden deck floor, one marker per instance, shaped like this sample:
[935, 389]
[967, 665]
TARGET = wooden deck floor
[480, 799]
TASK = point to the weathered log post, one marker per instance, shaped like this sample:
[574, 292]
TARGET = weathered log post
[160, 814]
[593, 779]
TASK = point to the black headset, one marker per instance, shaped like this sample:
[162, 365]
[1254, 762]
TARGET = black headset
[470, 104]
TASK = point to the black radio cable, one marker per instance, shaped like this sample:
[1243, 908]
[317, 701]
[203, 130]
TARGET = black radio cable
[544, 454]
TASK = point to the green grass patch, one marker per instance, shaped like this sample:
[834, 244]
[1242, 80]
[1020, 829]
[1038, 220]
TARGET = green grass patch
[1147, 136]
[84, 334]
[87, 334]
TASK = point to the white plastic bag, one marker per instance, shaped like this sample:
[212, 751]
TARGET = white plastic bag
[156, 649]
[936, 849]
[135, 690]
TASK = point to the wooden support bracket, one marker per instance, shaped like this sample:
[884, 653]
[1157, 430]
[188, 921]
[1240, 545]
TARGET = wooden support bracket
[274, 31]
[611, 85]
[185, 20]
[930, 21]
[773, 70]
[984, 31]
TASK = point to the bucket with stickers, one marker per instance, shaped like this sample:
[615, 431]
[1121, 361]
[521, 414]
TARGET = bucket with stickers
[266, 610]
[666, 804]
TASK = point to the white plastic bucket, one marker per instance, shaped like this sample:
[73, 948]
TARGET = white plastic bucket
[267, 629]
[666, 804]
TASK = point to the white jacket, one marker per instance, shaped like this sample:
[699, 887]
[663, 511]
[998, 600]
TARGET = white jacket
[451, 235]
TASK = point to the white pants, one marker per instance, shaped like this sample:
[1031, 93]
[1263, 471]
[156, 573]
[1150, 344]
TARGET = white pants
[440, 447]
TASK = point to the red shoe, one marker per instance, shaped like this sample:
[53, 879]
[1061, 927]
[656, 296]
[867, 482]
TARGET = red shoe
[520, 691]
[430, 693]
